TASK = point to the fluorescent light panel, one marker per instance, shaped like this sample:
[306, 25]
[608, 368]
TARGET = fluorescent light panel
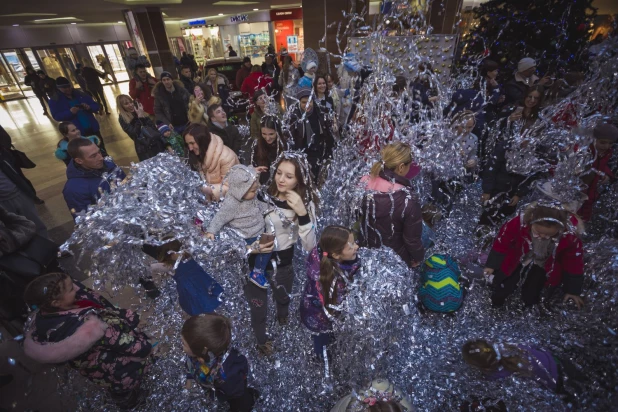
[27, 14]
[234, 3]
[56, 19]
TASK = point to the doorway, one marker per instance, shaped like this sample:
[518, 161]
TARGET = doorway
[108, 58]
[12, 74]
[59, 62]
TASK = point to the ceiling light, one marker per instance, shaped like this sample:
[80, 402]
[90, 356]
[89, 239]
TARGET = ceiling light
[28, 14]
[55, 19]
[220, 14]
[120, 22]
[233, 3]
[255, 9]
[73, 23]
[15, 25]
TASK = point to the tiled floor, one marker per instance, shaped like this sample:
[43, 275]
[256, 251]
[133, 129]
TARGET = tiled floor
[37, 136]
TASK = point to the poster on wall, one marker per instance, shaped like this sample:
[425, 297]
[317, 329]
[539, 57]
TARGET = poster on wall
[292, 44]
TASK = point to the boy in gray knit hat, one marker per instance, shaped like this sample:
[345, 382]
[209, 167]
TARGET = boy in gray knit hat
[243, 212]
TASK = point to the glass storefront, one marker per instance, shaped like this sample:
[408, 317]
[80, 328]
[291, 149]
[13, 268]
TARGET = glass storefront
[283, 30]
[248, 39]
[12, 72]
[108, 58]
[205, 43]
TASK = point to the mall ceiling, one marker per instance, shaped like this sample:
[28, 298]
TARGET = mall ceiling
[26, 12]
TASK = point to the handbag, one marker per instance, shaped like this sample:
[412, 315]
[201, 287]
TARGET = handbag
[150, 141]
[31, 259]
[21, 160]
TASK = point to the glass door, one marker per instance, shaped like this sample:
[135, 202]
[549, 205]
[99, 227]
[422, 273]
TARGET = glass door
[18, 69]
[9, 82]
[69, 61]
[51, 63]
[114, 57]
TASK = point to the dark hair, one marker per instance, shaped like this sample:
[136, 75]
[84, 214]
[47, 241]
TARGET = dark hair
[30, 69]
[546, 216]
[40, 72]
[185, 66]
[481, 354]
[257, 94]
[315, 84]
[285, 71]
[211, 109]
[63, 127]
[487, 66]
[201, 134]
[534, 112]
[385, 406]
[301, 188]
[246, 59]
[255, 68]
[45, 289]
[333, 240]
[74, 148]
[208, 332]
[400, 84]
[261, 152]
[139, 66]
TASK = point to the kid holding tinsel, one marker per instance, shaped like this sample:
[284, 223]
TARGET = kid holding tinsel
[330, 268]
[73, 324]
[538, 248]
[214, 364]
[499, 361]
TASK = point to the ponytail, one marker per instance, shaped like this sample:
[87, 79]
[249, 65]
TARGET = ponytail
[392, 156]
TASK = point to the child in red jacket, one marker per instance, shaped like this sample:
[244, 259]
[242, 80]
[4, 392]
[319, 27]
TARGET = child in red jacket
[538, 248]
[605, 135]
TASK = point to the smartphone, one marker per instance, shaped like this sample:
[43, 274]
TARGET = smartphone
[136, 103]
[266, 238]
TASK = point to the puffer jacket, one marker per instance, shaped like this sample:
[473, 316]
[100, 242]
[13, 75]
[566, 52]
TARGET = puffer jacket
[15, 231]
[245, 216]
[391, 216]
[312, 312]
[229, 134]
[218, 161]
[162, 109]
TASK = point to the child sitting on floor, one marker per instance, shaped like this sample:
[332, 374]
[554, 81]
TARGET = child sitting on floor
[243, 212]
[214, 364]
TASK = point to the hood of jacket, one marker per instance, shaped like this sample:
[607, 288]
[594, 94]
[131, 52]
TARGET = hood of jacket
[240, 179]
[197, 111]
[74, 172]
[159, 88]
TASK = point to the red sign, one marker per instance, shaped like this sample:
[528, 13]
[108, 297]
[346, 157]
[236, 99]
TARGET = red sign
[286, 14]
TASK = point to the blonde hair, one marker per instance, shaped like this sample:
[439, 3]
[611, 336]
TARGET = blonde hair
[392, 156]
[126, 116]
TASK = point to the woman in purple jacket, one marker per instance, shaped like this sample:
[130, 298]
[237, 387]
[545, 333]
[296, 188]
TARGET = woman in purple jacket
[391, 212]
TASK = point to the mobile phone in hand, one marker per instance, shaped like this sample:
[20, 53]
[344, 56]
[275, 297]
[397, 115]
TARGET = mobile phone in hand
[266, 238]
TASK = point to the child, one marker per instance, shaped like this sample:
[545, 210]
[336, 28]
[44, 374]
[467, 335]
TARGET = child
[70, 132]
[198, 292]
[499, 361]
[214, 364]
[381, 396]
[439, 288]
[538, 248]
[76, 325]
[244, 213]
[605, 136]
[330, 267]
[174, 142]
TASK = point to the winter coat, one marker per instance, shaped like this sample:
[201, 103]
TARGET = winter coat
[130, 62]
[541, 363]
[317, 141]
[378, 386]
[241, 75]
[15, 231]
[273, 71]
[244, 216]
[143, 94]
[9, 167]
[61, 152]
[84, 187]
[228, 377]
[229, 134]
[60, 107]
[312, 311]
[592, 178]
[34, 81]
[198, 112]
[469, 145]
[92, 76]
[472, 99]
[515, 89]
[162, 109]
[497, 178]
[133, 130]
[391, 216]
[255, 123]
[272, 152]
[306, 80]
[439, 289]
[564, 266]
[256, 81]
[188, 83]
[48, 86]
[97, 339]
[198, 292]
[218, 161]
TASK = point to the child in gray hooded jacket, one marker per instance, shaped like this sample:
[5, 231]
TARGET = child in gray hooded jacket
[243, 212]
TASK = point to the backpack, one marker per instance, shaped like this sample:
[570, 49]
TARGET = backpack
[440, 290]
[149, 143]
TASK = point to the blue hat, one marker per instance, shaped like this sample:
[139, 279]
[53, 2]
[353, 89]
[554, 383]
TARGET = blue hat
[164, 128]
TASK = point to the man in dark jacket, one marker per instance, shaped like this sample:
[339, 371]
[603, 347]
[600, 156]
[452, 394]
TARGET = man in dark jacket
[94, 86]
[47, 84]
[271, 68]
[186, 77]
[34, 81]
[171, 102]
[77, 107]
[218, 124]
[88, 175]
[515, 89]
[243, 72]
[16, 195]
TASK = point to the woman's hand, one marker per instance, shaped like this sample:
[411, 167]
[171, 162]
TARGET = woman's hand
[140, 110]
[578, 300]
[256, 247]
[296, 203]
[516, 115]
[488, 271]
[470, 164]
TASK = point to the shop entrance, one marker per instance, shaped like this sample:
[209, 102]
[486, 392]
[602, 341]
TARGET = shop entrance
[59, 62]
[108, 58]
[12, 73]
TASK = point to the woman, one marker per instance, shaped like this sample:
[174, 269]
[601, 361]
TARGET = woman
[292, 196]
[288, 80]
[268, 146]
[200, 101]
[218, 85]
[260, 100]
[209, 156]
[322, 96]
[540, 248]
[527, 110]
[33, 80]
[70, 132]
[391, 212]
[133, 119]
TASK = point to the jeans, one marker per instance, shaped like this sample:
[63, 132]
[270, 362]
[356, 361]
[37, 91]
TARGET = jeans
[261, 259]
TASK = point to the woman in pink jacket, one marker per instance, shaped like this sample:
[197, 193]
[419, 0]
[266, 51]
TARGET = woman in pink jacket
[209, 156]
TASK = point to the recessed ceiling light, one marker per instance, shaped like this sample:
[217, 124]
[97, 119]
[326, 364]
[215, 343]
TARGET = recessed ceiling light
[15, 25]
[120, 22]
[28, 14]
[56, 19]
[220, 14]
[255, 9]
[73, 23]
[234, 3]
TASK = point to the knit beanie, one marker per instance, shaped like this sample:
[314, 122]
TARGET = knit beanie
[166, 74]
[164, 128]
[525, 64]
[303, 92]
[606, 131]
[62, 82]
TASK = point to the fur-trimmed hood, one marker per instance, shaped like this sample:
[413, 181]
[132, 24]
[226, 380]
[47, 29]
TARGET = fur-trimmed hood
[158, 88]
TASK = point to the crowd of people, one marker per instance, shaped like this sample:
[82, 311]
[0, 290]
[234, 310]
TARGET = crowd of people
[264, 182]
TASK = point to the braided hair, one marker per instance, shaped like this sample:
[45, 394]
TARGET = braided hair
[42, 291]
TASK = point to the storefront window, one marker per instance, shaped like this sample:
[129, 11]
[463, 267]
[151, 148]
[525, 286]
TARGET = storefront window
[205, 42]
[254, 39]
[117, 64]
[11, 70]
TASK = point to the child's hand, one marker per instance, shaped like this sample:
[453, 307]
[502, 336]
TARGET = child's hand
[261, 169]
[578, 300]
[209, 236]
[514, 201]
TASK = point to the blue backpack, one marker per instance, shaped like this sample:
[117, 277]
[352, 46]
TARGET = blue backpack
[440, 290]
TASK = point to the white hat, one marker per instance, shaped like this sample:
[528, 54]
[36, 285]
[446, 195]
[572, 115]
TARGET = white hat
[311, 65]
[525, 64]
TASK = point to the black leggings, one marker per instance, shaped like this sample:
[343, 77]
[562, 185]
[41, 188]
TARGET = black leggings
[534, 279]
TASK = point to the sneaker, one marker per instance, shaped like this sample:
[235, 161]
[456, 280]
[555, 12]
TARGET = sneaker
[266, 349]
[258, 279]
[282, 321]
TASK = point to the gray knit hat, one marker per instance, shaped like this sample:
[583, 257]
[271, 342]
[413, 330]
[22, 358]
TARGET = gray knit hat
[303, 92]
